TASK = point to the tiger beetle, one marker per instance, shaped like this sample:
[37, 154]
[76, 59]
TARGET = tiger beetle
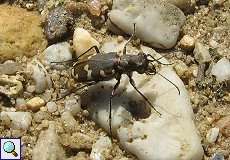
[103, 67]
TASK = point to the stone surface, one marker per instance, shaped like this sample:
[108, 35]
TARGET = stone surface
[101, 149]
[59, 52]
[35, 103]
[19, 120]
[170, 136]
[59, 24]
[48, 146]
[201, 53]
[21, 33]
[221, 70]
[157, 23]
[212, 135]
[82, 41]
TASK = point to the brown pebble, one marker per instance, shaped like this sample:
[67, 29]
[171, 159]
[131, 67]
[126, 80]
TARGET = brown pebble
[224, 125]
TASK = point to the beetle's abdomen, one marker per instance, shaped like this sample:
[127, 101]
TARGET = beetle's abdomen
[97, 68]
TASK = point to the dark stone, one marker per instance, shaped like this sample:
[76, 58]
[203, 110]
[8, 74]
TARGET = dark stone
[59, 25]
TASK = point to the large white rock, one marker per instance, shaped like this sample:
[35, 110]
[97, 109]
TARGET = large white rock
[171, 136]
[157, 23]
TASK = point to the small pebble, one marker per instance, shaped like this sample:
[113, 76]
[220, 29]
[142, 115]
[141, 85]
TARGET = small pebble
[212, 135]
[73, 105]
[59, 24]
[221, 70]
[101, 149]
[120, 39]
[224, 125]
[30, 88]
[51, 107]
[218, 156]
[35, 103]
[201, 53]
[82, 41]
[69, 122]
[181, 68]
[187, 43]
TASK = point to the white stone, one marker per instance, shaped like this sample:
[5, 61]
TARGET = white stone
[73, 104]
[212, 135]
[170, 136]
[48, 146]
[99, 149]
[51, 107]
[221, 70]
[40, 76]
[59, 52]
[157, 23]
[19, 120]
[201, 53]
[82, 41]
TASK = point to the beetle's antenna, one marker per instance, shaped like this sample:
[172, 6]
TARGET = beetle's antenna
[68, 61]
[167, 80]
[154, 59]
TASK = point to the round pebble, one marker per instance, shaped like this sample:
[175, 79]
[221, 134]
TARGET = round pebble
[51, 107]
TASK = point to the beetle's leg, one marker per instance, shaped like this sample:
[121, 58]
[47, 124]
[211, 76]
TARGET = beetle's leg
[110, 104]
[95, 47]
[76, 89]
[142, 95]
[133, 35]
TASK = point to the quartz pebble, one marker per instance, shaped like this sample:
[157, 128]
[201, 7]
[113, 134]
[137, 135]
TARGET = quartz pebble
[157, 23]
[59, 52]
[35, 103]
[181, 68]
[201, 53]
[187, 43]
[73, 105]
[221, 70]
[82, 41]
[19, 120]
[101, 149]
[212, 135]
[51, 107]
[48, 146]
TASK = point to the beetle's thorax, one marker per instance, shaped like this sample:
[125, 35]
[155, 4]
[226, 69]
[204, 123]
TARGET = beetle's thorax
[130, 63]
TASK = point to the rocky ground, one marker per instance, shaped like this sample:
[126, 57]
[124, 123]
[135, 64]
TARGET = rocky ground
[30, 32]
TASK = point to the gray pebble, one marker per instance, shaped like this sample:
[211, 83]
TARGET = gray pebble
[58, 24]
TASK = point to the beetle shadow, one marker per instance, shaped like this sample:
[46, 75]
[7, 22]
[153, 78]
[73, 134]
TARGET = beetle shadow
[97, 98]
